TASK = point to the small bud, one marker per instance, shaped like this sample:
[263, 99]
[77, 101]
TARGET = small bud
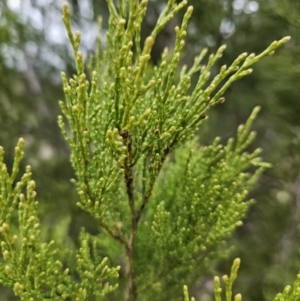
[222, 48]
[4, 228]
[21, 142]
[6, 255]
[149, 42]
[223, 68]
[147, 112]
[285, 39]
[18, 287]
[239, 223]
[190, 8]
[237, 262]
[225, 278]
[109, 133]
[122, 22]
[177, 56]
[7, 269]
[238, 297]
[31, 218]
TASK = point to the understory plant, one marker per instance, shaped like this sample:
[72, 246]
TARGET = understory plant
[165, 204]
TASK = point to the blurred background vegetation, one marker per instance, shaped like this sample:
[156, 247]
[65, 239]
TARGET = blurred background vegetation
[33, 51]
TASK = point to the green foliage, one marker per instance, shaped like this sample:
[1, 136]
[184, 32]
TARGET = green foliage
[32, 268]
[165, 203]
[289, 293]
[207, 189]
[270, 234]
[228, 281]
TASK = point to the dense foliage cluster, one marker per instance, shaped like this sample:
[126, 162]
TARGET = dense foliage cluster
[165, 205]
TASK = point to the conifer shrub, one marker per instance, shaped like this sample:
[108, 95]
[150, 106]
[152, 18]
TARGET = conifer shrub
[165, 204]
